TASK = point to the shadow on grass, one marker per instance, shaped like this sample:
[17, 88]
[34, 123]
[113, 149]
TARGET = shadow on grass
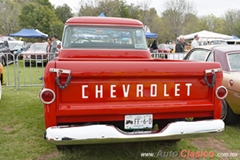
[124, 151]
[230, 137]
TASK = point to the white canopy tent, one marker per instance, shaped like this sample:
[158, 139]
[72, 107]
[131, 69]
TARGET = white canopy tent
[207, 35]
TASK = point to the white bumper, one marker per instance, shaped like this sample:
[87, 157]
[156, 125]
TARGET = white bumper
[64, 135]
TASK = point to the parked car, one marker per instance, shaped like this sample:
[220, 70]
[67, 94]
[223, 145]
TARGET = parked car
[229, 58]
[22, 44]
[1, 79]
[29, 45]
[35, 54]
[216, 42]
[7, 38]
[6, 57]
[164, 48]
[15, 47]
[212, 42]
[233, 41]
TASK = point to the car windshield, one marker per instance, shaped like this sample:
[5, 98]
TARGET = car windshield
[233, 60]
[38, 47]
[104, 37]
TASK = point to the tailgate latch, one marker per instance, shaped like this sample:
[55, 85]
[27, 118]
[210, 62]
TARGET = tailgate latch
[213, 72]
[59, 72]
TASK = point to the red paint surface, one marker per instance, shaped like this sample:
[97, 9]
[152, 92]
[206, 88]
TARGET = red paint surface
[127, 67]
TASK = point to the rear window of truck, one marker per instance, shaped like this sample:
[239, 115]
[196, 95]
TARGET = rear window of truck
[104, 37]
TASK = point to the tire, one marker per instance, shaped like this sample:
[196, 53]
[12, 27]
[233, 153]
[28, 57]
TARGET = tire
[228, 116]
[163, 123]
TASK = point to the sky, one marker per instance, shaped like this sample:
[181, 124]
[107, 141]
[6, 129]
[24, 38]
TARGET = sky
[203, 7]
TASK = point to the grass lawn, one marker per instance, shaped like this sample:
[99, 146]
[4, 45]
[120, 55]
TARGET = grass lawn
[22, 129]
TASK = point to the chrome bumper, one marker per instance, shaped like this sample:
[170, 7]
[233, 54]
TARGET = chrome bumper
[64, 135]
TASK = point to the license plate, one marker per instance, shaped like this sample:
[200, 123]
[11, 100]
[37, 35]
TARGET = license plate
[140, 121]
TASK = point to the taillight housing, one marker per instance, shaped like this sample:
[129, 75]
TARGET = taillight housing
[221, 92]
[47, 96]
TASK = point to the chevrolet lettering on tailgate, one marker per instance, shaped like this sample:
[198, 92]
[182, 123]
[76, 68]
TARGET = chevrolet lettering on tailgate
[105, 87]
[152, 90]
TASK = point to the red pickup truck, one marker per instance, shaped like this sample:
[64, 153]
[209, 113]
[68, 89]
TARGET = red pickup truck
[105, 87]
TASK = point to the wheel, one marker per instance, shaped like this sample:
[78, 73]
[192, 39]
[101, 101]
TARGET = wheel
[227, 114]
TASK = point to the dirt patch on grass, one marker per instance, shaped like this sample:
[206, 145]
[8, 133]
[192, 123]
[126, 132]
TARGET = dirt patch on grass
[211, 144]
[7, 128]
[49, 156]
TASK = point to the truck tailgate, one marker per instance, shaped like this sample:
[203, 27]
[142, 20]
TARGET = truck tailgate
[117, 88]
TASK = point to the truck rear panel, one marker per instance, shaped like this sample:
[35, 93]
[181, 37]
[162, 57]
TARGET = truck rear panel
[109, 90]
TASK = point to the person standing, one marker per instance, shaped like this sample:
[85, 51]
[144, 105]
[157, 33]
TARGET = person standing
[48, 51]
[48, 48]
[180, 46]
[54, 48]
[154, 49]
[154, 45]
[195, 42]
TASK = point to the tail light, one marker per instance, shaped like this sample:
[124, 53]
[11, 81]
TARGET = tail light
[47, 96]
[221, 92]
[231, 82]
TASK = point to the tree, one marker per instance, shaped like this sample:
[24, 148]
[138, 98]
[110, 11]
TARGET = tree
[176, 15]
[119, 8]
[45, 3]
[88, 8]
[211, 23]
[191, 26]
[134, 11]
[232, 22]
[144, 7]
[40, 17]
[8, 18]
[63, 12]
[150, 19]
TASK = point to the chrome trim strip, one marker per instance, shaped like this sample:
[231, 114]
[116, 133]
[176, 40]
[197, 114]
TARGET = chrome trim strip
[234, 90]
[92, 134]
[213, 71]
[63, 71]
